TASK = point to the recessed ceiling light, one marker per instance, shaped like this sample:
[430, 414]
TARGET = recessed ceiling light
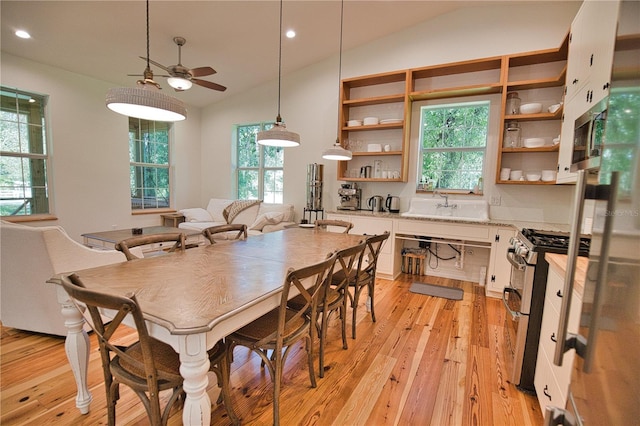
[23, 34]
[291, 34]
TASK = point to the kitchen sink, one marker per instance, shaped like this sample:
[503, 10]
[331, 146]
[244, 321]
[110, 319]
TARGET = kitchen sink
[441, 208]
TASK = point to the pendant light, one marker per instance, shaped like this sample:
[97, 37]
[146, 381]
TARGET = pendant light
[337, 152]
[146, 101]
[278, 135]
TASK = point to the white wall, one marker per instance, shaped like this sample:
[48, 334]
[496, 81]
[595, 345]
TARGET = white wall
[310, 103]
[90, 151]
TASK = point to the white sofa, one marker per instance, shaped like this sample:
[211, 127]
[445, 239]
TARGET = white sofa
[258, 216]
[30, 256]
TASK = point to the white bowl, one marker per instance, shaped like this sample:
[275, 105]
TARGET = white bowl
[533, 142]
[548, 175]
[553, 108]
[354, 123]
[533, 177]
[532, 108]
[515, 175]
[368, 121]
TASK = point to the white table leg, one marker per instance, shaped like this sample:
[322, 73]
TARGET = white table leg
[194, 365]
[77, 347]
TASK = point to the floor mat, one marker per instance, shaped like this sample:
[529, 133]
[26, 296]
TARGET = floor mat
[452, 293]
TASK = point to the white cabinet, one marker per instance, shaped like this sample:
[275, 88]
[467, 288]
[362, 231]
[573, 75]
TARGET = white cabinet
[499, 267]
[565, 154]
[374, 226]
[552, 381]
[591, 47]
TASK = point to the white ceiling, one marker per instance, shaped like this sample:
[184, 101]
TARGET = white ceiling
[239, 39]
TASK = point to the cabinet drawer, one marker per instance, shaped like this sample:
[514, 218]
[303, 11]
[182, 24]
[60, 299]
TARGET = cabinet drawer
[546, 387]
[555, 288]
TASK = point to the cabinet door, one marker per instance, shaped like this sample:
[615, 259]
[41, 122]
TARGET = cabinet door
[499, 267]
[591, 53]
[565, 153]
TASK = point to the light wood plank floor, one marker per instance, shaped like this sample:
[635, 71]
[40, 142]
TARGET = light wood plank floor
[426, 361]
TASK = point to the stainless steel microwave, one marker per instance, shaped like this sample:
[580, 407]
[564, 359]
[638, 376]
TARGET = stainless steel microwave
[588, 136]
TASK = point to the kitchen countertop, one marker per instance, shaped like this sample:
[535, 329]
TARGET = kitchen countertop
[558, 262]
[556, 227]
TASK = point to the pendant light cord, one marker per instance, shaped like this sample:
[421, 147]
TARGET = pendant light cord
[279, 119]
[148, 66]
[340, 67]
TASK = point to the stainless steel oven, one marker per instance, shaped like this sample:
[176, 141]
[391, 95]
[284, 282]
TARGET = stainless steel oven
[523, 299]
[517, 301]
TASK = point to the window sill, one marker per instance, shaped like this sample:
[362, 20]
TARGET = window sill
[152, 211]
[30, 218]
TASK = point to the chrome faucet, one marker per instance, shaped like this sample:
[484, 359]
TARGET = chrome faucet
[446, 200]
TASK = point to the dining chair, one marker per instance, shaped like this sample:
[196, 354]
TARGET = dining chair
[282, 327]
[324, 223]
[177, 238]
[147, 366]
[347, 264]
[240, 228]
[366, 277]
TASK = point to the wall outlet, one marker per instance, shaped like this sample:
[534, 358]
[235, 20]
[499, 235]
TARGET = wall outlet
[495, 200]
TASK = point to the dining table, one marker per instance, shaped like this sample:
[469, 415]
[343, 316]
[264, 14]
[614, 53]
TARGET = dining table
[191, 299]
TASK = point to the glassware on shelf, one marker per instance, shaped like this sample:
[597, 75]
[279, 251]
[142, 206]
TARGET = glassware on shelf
[513, 104]
[511, 134]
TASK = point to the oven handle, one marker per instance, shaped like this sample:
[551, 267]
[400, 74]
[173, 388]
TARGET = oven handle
[519, 266]
[513, 313]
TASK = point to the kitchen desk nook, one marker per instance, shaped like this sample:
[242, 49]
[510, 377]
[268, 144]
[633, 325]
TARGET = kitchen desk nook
[192, 299]
[490, 236]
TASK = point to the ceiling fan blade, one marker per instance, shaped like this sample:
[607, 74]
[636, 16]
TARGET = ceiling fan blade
[156, 64]
[202, 71]
[209, 84]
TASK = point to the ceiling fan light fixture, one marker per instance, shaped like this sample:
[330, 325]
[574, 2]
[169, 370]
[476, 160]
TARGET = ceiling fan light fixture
[179, 83]
[278, 135]
[146, 103]
[337, 153]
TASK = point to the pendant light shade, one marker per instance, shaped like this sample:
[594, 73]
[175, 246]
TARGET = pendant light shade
[337, 152]
[146, 101]
[278, 135]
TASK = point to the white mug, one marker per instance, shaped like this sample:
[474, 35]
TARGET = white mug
[387, 148]
[385, 174]
[396, 174]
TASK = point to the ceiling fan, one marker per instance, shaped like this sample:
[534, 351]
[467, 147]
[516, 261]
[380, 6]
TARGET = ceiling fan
[181, 77]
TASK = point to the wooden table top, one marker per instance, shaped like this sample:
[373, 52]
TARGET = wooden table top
[191, 291]
[118, 235]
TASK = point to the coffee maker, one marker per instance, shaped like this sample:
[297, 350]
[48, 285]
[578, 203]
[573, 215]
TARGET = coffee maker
[350, 196]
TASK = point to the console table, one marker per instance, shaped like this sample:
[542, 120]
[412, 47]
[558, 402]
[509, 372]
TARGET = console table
[108, 239]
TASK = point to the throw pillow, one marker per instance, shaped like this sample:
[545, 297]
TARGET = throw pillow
[196, 215]
[270, 218]
[235, 208]
[216, 207]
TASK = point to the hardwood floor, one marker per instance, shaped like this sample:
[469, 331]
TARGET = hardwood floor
[425, 361]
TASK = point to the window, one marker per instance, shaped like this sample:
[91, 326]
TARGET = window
[149, 161]
[453, 139]
[24, 159]
[260, 169]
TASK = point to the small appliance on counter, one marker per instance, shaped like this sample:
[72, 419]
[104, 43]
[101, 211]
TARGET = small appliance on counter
[375, 203]
[350, 196]
[392, 204]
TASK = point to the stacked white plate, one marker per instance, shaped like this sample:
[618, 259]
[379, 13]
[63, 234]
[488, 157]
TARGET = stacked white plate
[369, 121]
[354, 123]
[391, 121]
[533, 142]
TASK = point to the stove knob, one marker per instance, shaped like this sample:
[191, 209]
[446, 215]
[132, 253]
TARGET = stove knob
[522, 251]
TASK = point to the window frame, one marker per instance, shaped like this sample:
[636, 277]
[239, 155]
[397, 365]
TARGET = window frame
[46, 156]
[428, 186]
[133, 165]
[261, 169]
